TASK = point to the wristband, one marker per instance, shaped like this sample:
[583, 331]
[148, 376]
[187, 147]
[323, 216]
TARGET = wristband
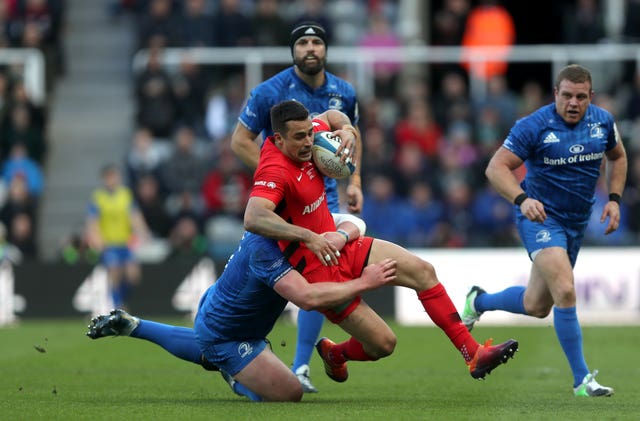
[520, 198]
[346, 235]
[614, 197]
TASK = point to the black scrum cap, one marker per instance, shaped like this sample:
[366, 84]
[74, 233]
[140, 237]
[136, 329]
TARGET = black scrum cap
[305, 29]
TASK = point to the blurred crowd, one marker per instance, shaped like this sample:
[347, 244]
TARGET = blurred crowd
[426, 139]
[23, 122]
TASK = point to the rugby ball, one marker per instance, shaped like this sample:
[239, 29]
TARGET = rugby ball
[325, 145]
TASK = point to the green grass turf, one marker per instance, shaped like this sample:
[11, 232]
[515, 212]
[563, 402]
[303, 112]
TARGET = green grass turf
[425, 379]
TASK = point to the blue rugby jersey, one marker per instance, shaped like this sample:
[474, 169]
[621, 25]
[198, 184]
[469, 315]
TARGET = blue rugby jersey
[335, 93]
[563, 161]
[242, 304]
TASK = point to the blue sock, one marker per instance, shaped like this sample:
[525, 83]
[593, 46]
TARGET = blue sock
[510, 299]
[565, 321]
[124, 291]
[179, 341]
[241, 389]
[115, 296]
[309, 326]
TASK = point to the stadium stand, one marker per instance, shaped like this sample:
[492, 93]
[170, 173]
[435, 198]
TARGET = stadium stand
[434, 107]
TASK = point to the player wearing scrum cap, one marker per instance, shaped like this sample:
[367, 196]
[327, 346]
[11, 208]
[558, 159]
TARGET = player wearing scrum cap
[308, 82]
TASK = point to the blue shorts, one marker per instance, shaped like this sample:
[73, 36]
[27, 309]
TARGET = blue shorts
[116, 256]
[551, 233]
[231, 356]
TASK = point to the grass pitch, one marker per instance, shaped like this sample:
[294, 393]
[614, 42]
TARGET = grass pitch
[50, 370]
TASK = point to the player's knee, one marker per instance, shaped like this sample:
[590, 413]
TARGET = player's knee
[291, 393]
[295, 395]
[538, 310]
[383, 347]
[389, 346]
[565, 297]
[425, 275]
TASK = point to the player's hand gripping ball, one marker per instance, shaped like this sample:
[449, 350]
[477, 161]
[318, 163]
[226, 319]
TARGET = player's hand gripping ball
[324, 149]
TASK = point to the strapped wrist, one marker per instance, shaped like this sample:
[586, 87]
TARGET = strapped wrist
[343, 232]
[520, 198]
[614, 197]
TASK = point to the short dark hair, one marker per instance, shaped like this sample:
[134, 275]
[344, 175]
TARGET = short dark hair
[574, 73]
[286, 111]
[109, 168]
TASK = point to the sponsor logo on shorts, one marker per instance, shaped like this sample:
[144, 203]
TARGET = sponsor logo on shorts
[543, 236]
[245, 349]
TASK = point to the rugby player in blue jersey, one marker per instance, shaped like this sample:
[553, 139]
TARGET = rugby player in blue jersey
[562, 145]
[307, 82]
[237, 313]
[240, 309]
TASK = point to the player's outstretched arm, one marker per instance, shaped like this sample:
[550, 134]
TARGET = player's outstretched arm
[317, 296]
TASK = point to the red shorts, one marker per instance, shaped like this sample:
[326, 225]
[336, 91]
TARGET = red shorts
[352, 260]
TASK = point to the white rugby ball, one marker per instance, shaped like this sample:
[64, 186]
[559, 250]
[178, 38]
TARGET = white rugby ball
[324, 149]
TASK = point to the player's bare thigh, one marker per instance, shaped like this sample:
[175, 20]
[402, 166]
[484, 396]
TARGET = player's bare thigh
[412, 272]
[551, 282]
[115, 275]
[376, 337]
[270, 378]
[133, 272]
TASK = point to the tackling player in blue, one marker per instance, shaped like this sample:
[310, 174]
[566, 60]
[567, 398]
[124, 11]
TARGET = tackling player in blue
[237, 313]
[563, 146]
[318, 90]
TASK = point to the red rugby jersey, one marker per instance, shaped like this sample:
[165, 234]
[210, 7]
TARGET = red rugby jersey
[297, 190]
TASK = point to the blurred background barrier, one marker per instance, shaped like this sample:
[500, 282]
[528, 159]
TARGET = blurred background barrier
[607, 284]
[60, 290]
[360, 62]
[166, 290]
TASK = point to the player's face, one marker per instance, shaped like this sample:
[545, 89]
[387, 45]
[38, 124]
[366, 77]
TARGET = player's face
[572, 100]
[111, 179]
[310, 55]
[296, 143]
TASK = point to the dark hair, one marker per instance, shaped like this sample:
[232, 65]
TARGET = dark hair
[305, 29]
[286, 111]
[574, 73]
[109, 168]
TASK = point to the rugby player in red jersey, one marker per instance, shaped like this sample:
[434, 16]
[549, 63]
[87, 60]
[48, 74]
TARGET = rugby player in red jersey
[288, 203]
